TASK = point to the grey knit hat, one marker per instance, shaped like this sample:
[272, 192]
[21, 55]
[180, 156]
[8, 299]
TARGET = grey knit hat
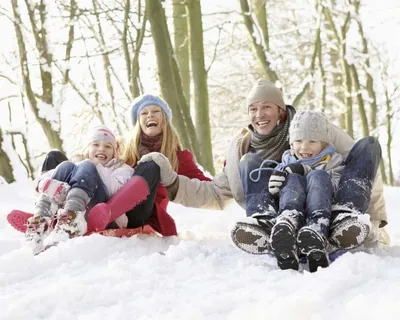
[310, 125]
[264, 90]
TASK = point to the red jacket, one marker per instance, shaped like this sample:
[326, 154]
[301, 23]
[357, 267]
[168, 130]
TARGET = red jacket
[161, 221]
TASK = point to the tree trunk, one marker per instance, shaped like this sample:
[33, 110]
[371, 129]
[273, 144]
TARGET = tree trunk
[258, 48]
[389, 136]
[168, 72]
[199, 73]
[52, 136]
[339, 55]
[6, 170]
[181, 45]
[360, 101]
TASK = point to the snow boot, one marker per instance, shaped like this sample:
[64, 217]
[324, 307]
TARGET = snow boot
[283, 239]
[313, 245]
[71, 220]
[130, 195]
[349, 228]
[252, 234]
[37, 228]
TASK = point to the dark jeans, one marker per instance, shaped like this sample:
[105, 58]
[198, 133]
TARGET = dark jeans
[150, 171]
[361, 166]
[53, 159]
[311, 196]
[257, 197]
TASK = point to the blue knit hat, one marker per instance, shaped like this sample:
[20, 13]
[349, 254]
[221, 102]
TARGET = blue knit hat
[146, 100]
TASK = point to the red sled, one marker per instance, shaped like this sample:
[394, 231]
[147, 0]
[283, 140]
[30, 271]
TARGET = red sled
[129, 196]
[18, 219]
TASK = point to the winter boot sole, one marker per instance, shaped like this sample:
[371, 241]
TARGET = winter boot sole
[283, 245]
[312, 245]
[349, 233]
[251, 238]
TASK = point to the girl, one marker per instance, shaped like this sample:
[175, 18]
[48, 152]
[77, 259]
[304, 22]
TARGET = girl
[67, 191]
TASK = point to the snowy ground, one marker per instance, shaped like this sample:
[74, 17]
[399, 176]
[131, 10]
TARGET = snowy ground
[199, 275]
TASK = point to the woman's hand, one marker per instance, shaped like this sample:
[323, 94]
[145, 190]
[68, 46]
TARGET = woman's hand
[168, 175]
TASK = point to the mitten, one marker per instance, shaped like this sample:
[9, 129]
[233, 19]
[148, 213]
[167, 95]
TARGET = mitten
[168, 175]
[298, 168]
[276, 181]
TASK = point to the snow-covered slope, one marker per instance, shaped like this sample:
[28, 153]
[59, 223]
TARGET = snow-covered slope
[199, 275]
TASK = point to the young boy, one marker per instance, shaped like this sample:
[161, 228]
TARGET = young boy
[305, 181]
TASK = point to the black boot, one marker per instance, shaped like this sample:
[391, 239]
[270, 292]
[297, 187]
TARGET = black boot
[283, 239]
[252, 234]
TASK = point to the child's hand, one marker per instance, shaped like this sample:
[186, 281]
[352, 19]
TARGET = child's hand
[298, 168]
[276, 181]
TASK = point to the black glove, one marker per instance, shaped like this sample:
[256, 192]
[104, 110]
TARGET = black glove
[276, 181]
[298, 168]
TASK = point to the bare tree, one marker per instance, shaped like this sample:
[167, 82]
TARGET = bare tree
[45, 65]
[6, 170]
[200, 84]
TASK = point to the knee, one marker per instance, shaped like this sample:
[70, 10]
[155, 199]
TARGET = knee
[55, 154]
[369, 144]
[66, 165]
[317, 175]
[87, 165]
[249, 161]
[152, 167]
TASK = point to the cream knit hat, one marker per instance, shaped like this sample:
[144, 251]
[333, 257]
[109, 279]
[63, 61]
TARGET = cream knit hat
[310, 125]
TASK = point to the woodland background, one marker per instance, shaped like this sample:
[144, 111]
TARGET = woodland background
[66, 65]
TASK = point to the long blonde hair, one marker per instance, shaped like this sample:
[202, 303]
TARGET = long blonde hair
[169, 146]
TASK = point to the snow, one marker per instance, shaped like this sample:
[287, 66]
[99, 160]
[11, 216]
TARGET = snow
[198, 275]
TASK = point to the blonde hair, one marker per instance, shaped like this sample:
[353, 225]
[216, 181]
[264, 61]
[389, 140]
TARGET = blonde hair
[169, 146]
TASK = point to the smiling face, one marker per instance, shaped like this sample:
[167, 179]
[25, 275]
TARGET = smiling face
[264, 116]
[304, 149]
[151, 120]
[101, 151]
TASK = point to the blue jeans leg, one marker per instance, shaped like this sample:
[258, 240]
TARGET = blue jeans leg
[293, 195]
[361, 166]
[84, 176]
[319, 201]
[257, 197]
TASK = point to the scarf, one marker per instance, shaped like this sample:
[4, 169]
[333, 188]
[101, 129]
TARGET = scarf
[149, 144]
[273, 145]
[323, 157]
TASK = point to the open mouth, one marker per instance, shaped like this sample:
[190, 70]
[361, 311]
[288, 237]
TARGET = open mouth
[263, 123]
[101, 156]
[151, 124]
[305, 155]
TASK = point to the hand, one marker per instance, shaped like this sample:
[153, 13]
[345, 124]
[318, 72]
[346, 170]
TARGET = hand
[298, 168]
[168, 175]
[276, 181]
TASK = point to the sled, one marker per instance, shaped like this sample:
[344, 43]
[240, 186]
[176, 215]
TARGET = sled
[18, 220]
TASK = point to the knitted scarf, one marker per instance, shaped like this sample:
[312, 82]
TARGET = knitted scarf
[150, 144]
[323, 157]
[273, 145]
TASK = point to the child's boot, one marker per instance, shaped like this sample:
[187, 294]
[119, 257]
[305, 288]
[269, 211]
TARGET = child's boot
[52, 194]
[283, 239]
[71, 220]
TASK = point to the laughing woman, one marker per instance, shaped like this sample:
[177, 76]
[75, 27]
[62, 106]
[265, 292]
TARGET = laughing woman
[153, 132]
